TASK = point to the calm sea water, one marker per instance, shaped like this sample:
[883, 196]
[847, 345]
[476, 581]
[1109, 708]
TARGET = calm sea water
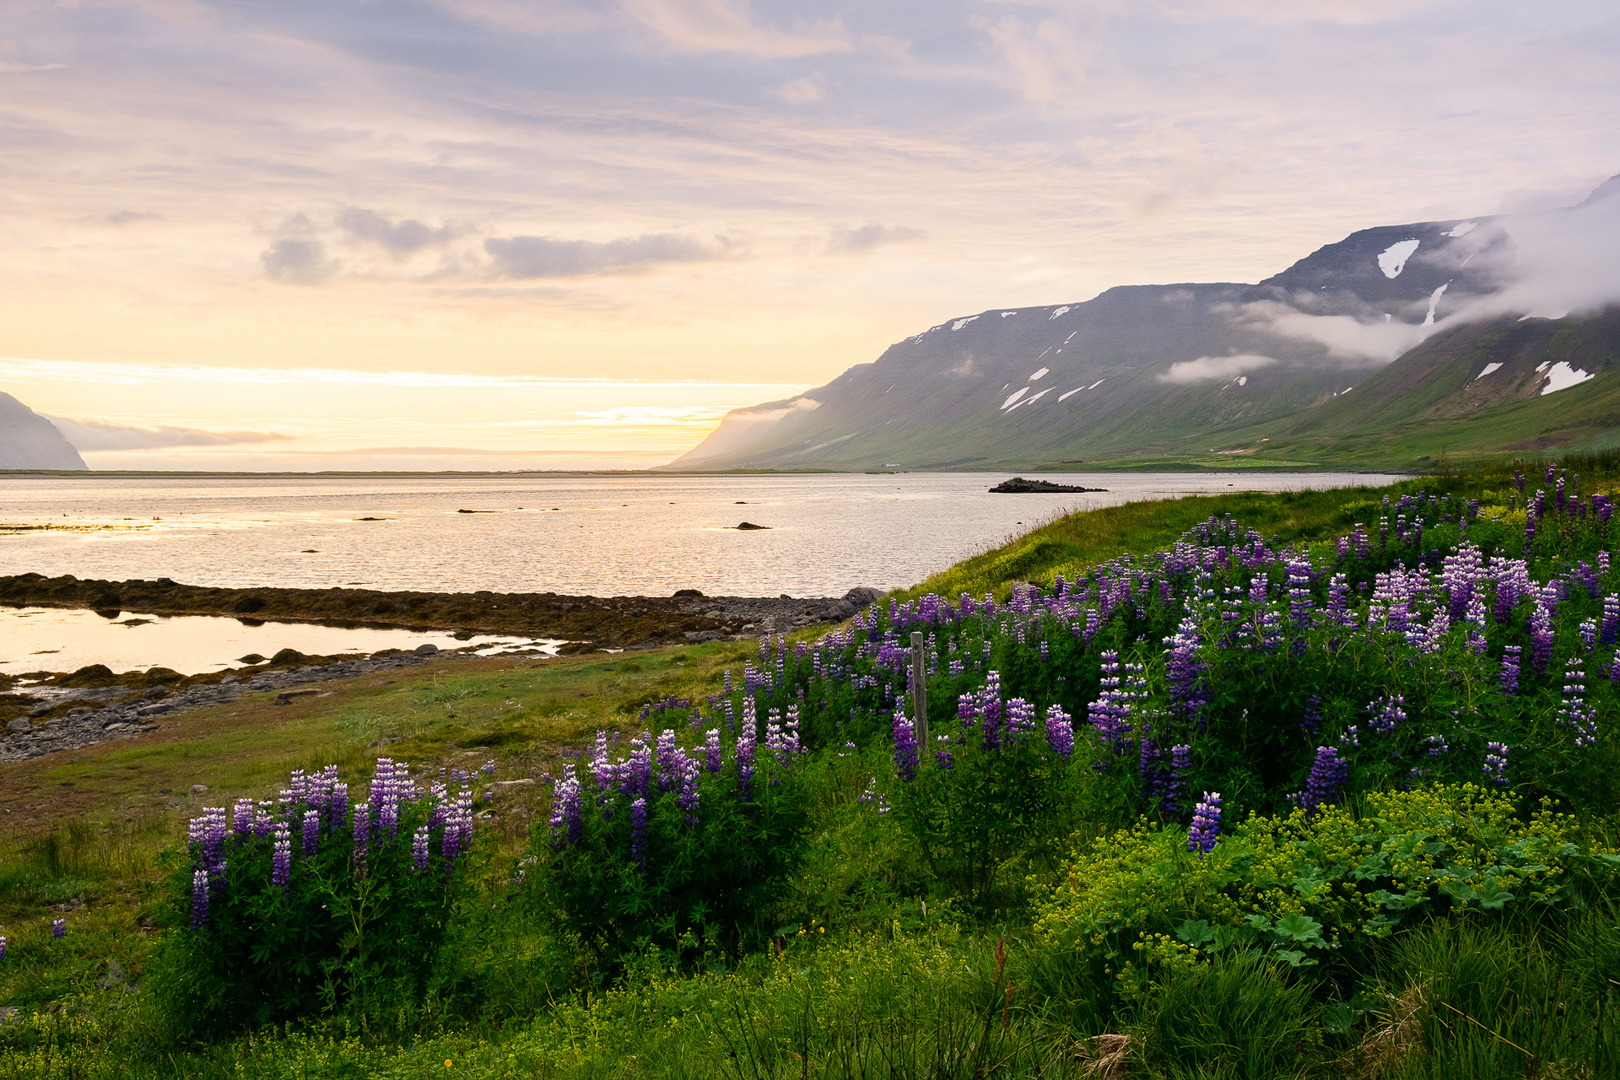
[603, 536]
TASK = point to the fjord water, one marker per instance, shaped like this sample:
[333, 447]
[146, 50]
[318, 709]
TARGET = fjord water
[639, 534]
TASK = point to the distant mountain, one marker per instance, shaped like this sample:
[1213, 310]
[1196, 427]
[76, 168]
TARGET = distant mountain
[29, 441]
[1200, 369]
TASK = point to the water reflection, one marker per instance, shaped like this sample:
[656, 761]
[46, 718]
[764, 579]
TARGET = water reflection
[63, 639]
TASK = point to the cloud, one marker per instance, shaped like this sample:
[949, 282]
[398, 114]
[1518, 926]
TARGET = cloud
[1214, 368]
[9, 68]
[96, 435]
[805, 91]
[866, 237]
[727, 26]
[545, 257]
[1044, 55]
[298, 262]
[130, 217]
[1344, 336]
[398, 238]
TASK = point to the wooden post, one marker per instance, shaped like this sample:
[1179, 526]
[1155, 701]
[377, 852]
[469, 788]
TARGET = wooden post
[919, 697]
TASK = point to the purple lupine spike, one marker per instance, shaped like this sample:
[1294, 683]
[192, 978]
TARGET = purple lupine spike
[567, 826]
[58, 929]
[1020, 717]
[711, 749]
[199, 899]
[1496, 761]
[362, 833]
[1175, 782]
[1541, 639]
[1510, 669]
[1059, 731]
[1389, 713]
[2, 946]
[242, 818]
[1329, 773]
[281, 858]
[905, 746]
[638, 832]
[1573, 712]
[419, 849]
[312, 830]
[990, 710]
[745, 756]
[1206, 824]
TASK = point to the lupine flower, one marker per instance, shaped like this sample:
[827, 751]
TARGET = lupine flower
[566, 824]
[745, 754]
[905, 746]
[59, 929]
[2, 946]
[199, 899]
[281, 858]
[1510, 669]
[638, 832]
[1390, 714]
[1175, 783]
[419, 849]
[711, 747]
[1059, 731]
[1329, 772]
[1206, 824]
[362, 834]
[312, 830]
[1496, 760]
[1574, 713]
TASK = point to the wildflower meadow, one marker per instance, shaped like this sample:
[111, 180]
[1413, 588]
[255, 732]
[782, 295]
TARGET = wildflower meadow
[1244, 806]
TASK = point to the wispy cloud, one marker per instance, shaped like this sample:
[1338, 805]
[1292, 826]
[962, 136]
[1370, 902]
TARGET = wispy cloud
[728, 26]
[298, 262]
[399, 238]
[1215, 368]
[95, 435]
[866, 237]
[519, 257]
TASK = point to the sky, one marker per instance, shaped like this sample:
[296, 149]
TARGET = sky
[502, 234]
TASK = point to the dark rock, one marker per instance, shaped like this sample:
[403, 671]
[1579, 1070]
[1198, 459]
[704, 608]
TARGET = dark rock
[156, 692]
[250, 658]
[91, 675]
[862, 595]
[19, 724]
[154, 710]
[285, 657]
[687, 592]
[749, 526]
[427, 648]
[1019, 486]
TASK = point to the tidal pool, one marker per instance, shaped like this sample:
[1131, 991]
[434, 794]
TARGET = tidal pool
[66, 639]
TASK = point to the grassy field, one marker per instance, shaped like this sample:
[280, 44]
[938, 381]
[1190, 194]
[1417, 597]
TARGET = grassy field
[875, 969]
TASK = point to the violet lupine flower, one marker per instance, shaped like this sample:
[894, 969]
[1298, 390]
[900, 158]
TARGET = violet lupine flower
[59, 929]
[638, 832]
[1206, 824]
[1020, 717]
[199, 899]
[1510, 669]
[990, 709]
[242, 818]
[566, 825]
[790, 730]
[419, 849]
[1574, 713]
[362, 834]
[2, 946]
[667, 750]
[745, 759]
[1175, 783]
[312, 830]
[1541, 639]
[905, 746]
[1329, 773]
[1609, 628]
[942, 756]
[711, 748]
[1495, 766]
[1588, 633]
[1059, 731]
[281, 858]
[687, 800]
[774, 743]
[1390, 714]
[637, 772]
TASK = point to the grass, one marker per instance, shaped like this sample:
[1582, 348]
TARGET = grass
[870, 975]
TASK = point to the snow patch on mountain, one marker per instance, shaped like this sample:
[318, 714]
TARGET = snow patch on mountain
[1562, 377]
[1488, 369]
[959, 323]
[1064, 310]
[1014, 396]
[1039, 373]
[1462, 229]
[1393, 258]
